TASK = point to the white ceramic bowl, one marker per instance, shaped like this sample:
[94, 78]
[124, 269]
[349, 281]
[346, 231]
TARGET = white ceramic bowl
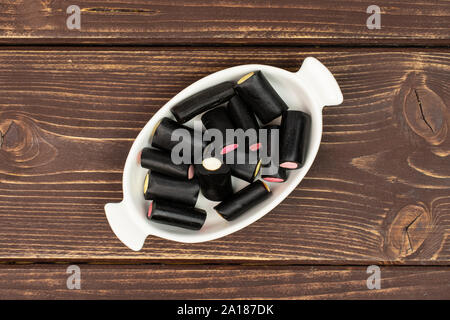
[309, 90]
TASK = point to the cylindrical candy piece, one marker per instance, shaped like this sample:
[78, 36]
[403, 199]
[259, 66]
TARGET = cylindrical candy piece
[270, 155]
[161, 187]
[243, 200]
[176, 215]
[214, 178]
[162, 136]
[244, 118]
[271, 171]
[280, 175]
[160, 161]
[244, 165]
[218, 119]
[246, 171]
[294, 139]
[203, 101]
[259, 94]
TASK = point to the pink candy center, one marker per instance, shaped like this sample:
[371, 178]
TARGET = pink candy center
[270, 179]
[289, 165]
[229, 148]
[191, 172]
[149, 214]
[256, 146]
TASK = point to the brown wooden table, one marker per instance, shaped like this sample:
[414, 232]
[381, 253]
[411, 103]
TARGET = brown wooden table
[72, 102]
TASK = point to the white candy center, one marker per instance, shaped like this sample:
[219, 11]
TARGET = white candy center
[211, 164]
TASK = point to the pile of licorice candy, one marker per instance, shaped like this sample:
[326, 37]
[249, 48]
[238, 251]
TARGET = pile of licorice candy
[251, 103]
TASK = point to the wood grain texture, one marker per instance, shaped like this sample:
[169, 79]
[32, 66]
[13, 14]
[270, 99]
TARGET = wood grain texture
[222, 282]
[377, 192]
[229, 21]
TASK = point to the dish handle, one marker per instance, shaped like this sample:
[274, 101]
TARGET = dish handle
[124, 227]
[315, 76]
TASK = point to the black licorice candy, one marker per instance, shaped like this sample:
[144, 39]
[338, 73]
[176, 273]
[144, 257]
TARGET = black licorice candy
[279, 175]
[177, 215]
[243, 165]
[162, 136]
[244, 199]
[245, 171]
[203, 101]
[160, 161]
[219, 119]
[244, 118]
[256, 91]
[214, 178]
[271, 171]
[294, 139]
[161, 187]
[268, 154]
[241, 115]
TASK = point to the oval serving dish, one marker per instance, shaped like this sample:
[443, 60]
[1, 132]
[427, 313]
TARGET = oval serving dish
[309, 90]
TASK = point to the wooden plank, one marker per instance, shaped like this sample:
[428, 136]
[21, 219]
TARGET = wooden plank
[222, 282]
[214, 22]
[377, 192]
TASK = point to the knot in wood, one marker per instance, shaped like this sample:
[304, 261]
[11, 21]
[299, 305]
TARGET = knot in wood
[408, 230]
[17, 136]
[425, 113]
[22, 144]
